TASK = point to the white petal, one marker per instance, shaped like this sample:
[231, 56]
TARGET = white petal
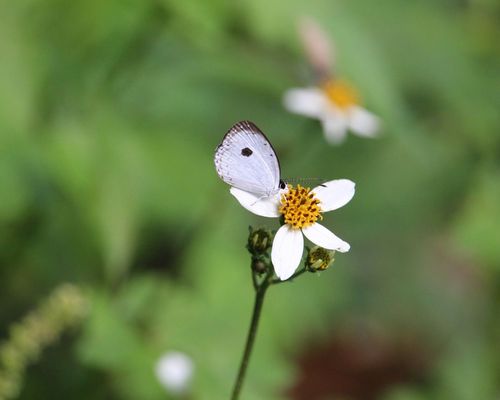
[363, 122]
[322, 237]
[335, 126]
[334, 194]
[286, 253]
[310, 102]
[263, 206]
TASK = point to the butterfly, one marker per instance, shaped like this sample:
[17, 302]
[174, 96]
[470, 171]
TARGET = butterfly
[246, 160]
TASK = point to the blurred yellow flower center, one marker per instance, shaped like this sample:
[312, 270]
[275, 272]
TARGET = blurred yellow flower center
[300, 207]
[340, 94]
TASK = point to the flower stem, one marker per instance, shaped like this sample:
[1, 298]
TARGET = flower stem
[252, 332]
[278, 281]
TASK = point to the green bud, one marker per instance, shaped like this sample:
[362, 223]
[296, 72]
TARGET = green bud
[259, 240]
[319, 259]
[259, 265]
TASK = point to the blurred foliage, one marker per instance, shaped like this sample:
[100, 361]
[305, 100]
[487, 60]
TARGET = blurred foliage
[64, 309]
[109, 115]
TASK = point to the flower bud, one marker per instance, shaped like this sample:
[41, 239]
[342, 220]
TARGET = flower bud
[319, 259]
[260, 264]
[259, 240]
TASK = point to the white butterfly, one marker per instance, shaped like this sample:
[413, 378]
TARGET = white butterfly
[246, 160]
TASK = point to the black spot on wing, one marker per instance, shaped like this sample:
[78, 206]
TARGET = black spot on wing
[246, 152]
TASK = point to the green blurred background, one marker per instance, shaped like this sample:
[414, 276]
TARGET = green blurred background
[109, 115]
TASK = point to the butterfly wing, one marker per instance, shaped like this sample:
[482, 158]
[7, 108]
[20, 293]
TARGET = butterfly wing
[246, 160]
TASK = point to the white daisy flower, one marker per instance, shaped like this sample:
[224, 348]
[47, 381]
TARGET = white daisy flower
[336, 105]
[301, 208]
[175, 370]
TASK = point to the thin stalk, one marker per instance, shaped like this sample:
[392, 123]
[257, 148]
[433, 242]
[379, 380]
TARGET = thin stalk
[252, 332]
[278, 281]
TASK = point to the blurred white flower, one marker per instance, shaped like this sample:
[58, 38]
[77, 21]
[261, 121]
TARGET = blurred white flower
[175, 370]
[336, 105]
[300, 208]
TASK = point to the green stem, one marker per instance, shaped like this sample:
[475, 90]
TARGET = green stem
[252, 332]
[278, 281]
[254, 281]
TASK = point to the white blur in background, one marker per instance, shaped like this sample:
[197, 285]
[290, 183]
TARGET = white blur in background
[175, 371]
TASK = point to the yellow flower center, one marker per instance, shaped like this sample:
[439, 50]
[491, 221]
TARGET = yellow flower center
[300, 207]
[340, 94]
